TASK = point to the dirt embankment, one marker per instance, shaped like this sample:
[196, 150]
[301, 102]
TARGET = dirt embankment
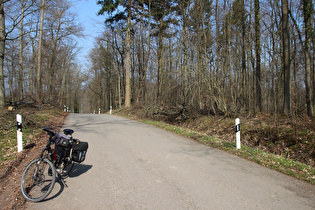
[11, 170]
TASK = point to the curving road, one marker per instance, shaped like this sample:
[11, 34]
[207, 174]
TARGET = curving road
[131, 165]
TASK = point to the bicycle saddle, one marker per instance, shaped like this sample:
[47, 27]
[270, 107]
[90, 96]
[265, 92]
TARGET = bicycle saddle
[68, 131]
[49, 130]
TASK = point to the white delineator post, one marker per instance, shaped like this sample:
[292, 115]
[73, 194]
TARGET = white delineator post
[238, 133]
[110, 110]
[99, 110]
[19, 133]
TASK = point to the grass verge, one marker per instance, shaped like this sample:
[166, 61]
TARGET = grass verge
[33, 120]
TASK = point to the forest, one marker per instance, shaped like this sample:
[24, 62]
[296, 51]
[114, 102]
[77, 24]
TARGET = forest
[220, 57]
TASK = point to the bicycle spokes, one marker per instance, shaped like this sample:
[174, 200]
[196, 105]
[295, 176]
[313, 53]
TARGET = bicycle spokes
[37, 183]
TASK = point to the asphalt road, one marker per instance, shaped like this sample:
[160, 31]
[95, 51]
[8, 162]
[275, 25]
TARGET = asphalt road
[131, 165]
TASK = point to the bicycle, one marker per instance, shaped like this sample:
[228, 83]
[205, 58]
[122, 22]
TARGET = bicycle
[39, 176]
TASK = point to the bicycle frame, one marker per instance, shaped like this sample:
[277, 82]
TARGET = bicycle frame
[49, 155]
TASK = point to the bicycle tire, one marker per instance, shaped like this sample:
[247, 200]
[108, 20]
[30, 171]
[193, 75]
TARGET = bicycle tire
[38, 179]
[66, 167]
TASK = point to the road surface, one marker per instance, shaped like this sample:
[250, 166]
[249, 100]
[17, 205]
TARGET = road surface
[131, 165]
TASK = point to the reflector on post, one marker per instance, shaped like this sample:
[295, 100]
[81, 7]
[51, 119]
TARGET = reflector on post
[238, 133]
[19, 132]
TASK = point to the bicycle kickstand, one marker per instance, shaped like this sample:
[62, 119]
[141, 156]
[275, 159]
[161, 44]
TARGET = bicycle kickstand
[62, 181]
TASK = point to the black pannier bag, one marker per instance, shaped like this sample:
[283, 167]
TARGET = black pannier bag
[79, 151]
[62, 143]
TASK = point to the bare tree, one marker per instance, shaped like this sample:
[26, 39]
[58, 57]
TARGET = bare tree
[20, 76]
[244, 69]
[39, 55]
[128, 94]
[286, 56]
[307, 11]
[258, 59]
[2, 48]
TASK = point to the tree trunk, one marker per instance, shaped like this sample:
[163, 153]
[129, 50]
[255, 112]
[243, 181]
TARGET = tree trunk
[217, 25]
[313, 70]
[143, 56]
[200, 70]
[160, 65]
[307, 10]
[229, 58]
[128, 94]
[286, 57]
[20, 75]
[258, 59]
[2, 48]
[185, 62]
[39, 55]
[10, 79]
[244, 81]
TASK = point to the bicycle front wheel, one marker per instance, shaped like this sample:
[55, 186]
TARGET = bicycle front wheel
[38, 179]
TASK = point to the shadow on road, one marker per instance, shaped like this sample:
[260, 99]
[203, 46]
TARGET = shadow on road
[58, 185]
[79, 169]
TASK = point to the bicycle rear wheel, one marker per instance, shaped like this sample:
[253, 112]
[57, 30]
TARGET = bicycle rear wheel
[38, 179]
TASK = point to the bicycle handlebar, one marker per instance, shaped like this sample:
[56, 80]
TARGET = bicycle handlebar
[52, 133]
